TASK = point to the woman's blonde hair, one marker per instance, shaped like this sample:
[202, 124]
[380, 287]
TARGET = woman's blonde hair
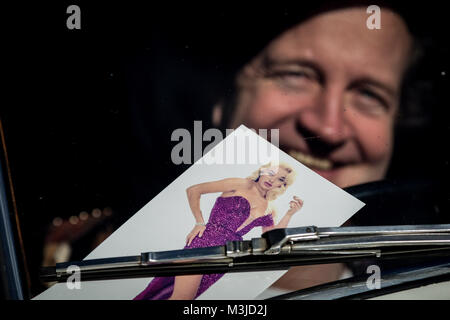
[290, 178]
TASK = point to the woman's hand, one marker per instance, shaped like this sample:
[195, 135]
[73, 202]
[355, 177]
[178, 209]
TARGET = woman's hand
[295, 205]
[198, 230]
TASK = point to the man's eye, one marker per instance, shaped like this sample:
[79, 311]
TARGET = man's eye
[294, 79]
[293, 74]
[370, 94]
[371, 102]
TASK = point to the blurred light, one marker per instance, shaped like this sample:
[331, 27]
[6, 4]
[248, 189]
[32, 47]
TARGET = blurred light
[83, 215]
[57, 222]
[63, 252]
[96, 213]
[74, 219]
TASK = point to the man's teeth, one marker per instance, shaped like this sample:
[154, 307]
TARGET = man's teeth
[310, 161]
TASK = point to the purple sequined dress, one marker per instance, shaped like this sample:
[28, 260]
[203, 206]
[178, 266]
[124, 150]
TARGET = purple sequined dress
[227, 215]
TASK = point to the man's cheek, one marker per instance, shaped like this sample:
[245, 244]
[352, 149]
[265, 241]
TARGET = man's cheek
[376, 142]
[358, 174]
[269, 106]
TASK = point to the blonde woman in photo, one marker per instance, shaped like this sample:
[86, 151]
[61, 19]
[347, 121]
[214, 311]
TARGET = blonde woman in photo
[245, 203]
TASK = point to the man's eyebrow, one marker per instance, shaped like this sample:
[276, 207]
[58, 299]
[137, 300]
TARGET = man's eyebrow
[270, 62]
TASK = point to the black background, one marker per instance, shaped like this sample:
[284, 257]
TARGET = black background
[88, 113]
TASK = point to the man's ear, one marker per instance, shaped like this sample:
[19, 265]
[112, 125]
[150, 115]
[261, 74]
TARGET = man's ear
[217, 112]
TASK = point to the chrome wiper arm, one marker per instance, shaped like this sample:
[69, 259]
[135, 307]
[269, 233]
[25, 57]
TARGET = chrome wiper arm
[349, 236]
[276, 249]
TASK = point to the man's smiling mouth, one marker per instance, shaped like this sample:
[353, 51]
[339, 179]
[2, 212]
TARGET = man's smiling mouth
[312, 161]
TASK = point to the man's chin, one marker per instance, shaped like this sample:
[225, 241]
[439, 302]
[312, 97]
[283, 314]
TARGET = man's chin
[335, 176]
[330, 175]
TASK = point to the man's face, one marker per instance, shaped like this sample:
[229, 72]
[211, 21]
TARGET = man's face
[331, 86]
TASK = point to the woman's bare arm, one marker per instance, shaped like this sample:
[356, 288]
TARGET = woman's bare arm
[295, 205]
[194, 193]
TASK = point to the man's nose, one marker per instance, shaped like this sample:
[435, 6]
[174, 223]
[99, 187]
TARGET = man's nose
[325, 119]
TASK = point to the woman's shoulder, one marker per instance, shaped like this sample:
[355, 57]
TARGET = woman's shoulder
[234, 185]
[239, 183]
[246, 183]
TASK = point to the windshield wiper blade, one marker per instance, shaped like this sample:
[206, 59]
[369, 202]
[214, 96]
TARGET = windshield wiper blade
[275, 249]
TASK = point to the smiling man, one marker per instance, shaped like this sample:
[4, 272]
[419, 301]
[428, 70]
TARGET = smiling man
[332, 87]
